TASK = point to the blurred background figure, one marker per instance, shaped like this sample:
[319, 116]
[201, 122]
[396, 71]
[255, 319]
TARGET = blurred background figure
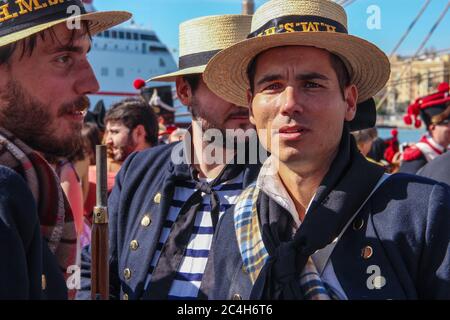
[385, 152]
[71, 186]
[131, 125]
[364, 140]
[382, 152]
[165, 132]
[91, 136]
[434, 111]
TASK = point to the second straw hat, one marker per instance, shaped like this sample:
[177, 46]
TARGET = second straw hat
[202, 38]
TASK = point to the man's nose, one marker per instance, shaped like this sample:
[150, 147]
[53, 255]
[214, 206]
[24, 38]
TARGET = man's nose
[108, 140]
[87, 82]
[290, 101]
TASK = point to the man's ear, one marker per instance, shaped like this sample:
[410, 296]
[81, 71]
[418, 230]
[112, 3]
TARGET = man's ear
[351, 99]
[139, 134]
[184, 91]
[250, 109]
[431, 127]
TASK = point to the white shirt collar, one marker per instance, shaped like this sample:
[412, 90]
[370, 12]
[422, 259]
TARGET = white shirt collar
[270, 183]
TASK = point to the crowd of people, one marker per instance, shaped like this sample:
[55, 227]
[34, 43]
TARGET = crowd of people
[330, 202]
[433, 111]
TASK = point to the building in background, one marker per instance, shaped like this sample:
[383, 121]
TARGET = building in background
[413, 79]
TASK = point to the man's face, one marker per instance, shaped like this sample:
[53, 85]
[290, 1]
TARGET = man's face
[119, 140]
[215, 113]
[43, 96]
[441, 134]
[298, 100]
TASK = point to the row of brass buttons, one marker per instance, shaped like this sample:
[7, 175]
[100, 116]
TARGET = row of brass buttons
[367, 251]
[134, 245]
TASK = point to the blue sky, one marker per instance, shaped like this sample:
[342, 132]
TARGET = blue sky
[164, 16]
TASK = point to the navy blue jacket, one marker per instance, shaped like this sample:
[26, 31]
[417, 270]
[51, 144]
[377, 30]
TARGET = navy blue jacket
[143, 176]
[407, 225]
[413, 166]
[24, 256]
[438, 169]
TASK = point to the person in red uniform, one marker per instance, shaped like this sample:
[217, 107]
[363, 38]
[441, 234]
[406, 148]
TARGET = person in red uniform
[435, 113]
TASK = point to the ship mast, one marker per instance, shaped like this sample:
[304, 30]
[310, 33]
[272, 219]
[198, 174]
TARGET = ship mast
[248, 6]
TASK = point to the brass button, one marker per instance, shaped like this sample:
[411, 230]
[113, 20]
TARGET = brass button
[134, 245]
[237, 297]
[44, 282]
[157, 198]
[146, 221]
[358, 224]
[126, 297]
[127, 273]
[367, 252]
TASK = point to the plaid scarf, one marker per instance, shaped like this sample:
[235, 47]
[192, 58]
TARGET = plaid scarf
[254, 253]
[55, 215]
[341, 193]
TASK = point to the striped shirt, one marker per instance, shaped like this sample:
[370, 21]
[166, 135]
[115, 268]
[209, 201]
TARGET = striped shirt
[188, 279]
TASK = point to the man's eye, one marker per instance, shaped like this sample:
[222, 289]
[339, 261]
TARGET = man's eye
[273, 86]
[312, 85]
[64, 59]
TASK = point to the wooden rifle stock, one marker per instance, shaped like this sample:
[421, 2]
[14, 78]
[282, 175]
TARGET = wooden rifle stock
[100, 236]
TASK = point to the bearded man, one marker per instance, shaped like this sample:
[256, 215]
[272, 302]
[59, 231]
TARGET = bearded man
[45, 78]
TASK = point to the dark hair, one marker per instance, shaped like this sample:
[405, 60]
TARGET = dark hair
[133, 112]
[336, 63]
[193, 80]
[28, 44]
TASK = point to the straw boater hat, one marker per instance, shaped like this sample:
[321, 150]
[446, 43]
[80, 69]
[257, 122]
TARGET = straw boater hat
[21, 19]
[316, 23]
[202, 38]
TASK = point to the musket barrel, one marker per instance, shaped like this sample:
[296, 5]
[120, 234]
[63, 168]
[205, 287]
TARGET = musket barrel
[100, 237]
[102, 188]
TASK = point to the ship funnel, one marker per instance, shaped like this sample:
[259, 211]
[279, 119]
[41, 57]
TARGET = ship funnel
[248, 7]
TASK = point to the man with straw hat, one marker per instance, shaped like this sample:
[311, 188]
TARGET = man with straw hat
[321, 222]
[168, 200]
[44, 80]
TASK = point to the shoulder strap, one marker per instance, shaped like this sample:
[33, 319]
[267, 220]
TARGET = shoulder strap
[322, 256]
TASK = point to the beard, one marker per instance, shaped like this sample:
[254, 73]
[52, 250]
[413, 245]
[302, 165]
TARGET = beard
[210, 126]
[207, 122]
[30, 121]
[125, 150]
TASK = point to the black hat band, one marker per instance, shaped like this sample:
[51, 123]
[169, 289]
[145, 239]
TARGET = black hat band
[288, 24]
[19, 15]
[196, 59]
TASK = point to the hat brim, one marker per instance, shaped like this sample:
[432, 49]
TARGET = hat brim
[369, 67]
[98, 22]
[171, 77]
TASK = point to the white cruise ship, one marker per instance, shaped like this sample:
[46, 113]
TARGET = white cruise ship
[125, 53]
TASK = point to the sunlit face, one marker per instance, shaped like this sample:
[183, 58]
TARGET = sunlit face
[216, 113]
[297, 105]
[119, 140]
[441, 133]
[43, 96]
